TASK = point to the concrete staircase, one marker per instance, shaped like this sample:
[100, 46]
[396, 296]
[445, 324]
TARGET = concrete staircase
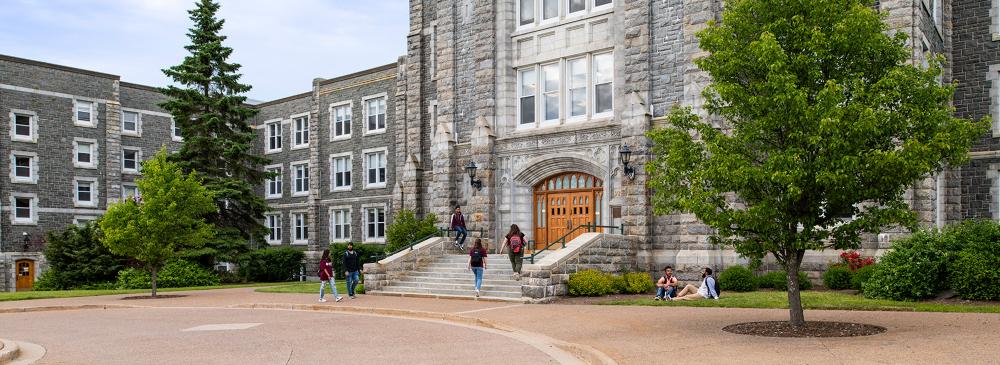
[448, 276]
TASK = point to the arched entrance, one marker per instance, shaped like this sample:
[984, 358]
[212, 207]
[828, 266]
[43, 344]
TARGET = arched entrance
[25, 274]
[563, 202]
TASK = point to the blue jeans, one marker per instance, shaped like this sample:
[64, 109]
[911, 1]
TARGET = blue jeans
[333, 288]
[668, 292]
[460, 235]
[352, 281]
[479, 277]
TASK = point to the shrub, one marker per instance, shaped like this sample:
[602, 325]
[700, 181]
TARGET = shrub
[861, 276]
[854, 261]
[638, 283]
[366, 254]
[976, 274]
[230, 277]
[778, 280]
[915, 268]
[406, 228]
[737, 278]
[618, 283]
[77, 259]
[271, 264]
[590, 283]
[175, 274]
[838, 277]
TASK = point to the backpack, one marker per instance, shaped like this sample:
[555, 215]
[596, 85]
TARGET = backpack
[477, 258]
[516, 244]
[718, 289]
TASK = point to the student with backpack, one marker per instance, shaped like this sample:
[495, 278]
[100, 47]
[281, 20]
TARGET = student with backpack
[477, 263]
[514, 242]
[326, 276]
[709, 288]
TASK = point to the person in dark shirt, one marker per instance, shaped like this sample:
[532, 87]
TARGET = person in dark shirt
[477, 263]
[352, 267]
[514, 243]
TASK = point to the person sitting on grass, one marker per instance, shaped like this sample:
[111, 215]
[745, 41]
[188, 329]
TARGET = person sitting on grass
[666, 287]
[705, 291]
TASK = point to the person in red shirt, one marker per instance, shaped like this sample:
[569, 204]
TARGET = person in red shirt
[666, 287]
[326, 276]
[458, 225]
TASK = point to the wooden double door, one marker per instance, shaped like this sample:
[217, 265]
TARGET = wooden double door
[25, 271]
[564, 202]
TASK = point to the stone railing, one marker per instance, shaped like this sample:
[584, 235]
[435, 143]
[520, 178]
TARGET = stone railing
[547, 278]
[378, 274]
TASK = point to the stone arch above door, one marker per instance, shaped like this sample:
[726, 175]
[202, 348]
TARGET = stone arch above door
[540, 168]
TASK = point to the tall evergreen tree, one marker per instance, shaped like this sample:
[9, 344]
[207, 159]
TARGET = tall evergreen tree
[208, 106]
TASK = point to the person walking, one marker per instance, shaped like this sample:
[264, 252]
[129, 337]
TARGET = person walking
[352, 265]
[458, 225]
[477, 263]
[514, 243]
[326, 276]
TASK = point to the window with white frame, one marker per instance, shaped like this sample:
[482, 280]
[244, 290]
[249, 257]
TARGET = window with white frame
[584, 85]
[273, 136]
[576, 6]
[85, 192]
[273, 222]
[603, 83]
[131, 157]
[375, 224]
[526, 12]
[550, 10]
[340, 121]
[576, 93]
[300, 134]
[131, 123]
[534, 12]
[85, 153]
[23, 167]
[526, 95]
[129, 191]
[340, 172]
[83, 113]
[340, 224]
[25, 209]
[274, 182]
[601, 3]
[300, 178]
[83, 220]
[175, 131]
[550, 90]
[375, 115]
[300, 228]
[24, 126]
[375, 168]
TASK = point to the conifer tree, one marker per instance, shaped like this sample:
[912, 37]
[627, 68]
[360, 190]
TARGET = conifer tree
[208, 105]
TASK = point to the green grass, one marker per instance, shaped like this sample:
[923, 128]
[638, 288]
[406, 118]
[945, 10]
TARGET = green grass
[309, 287]
[51, 294]
[815, 300]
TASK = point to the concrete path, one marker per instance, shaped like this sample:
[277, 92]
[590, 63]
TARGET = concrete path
[448, 331]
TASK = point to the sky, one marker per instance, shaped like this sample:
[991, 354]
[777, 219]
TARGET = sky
[281, 44]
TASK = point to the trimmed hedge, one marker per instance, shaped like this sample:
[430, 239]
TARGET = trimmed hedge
[637, 283]
[915, 268]
[838, 277]
[175, 274]
[738, 279]
[590, 283]
[778, 280]
[271, 264]
[976, 274]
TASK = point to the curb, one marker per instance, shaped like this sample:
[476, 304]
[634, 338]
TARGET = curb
[8, 351]
[53, 308]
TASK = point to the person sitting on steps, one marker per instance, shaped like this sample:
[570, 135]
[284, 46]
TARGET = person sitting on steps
[458, 225]
[705, 291]
[666, 287]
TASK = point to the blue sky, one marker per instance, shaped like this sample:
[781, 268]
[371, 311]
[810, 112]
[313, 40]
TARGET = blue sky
[282, 45]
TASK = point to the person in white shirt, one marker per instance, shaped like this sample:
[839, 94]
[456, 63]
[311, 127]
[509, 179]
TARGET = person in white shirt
[705, 291]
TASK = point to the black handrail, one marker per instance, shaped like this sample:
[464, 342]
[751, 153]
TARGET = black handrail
[588, 226]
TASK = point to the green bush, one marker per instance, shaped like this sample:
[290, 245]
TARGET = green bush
[271, 264]
[861, 276]
[406, 228]
[230, 277]
[778, 280]
[838, 277]
[737, 278]
[175, 274]
[366, 254]
[637, 283]
[590, 283]
[618, 283]
[77, 259]
[915, 268]
[976, 273]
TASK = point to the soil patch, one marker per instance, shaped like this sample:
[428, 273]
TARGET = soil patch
[158, 296]
[811, 329]
[604, 299]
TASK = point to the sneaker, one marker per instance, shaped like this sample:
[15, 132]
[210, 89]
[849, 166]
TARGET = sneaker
[656, 298]
[352, 297]
[517, 276]
[340, 298]
[321, 300]
[455, 244]
[477, 293]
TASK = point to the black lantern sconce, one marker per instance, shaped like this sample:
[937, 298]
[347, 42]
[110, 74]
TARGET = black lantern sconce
[470, 168]
[27, 240]
[624, 155]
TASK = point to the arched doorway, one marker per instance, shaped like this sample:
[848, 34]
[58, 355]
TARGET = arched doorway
[563, 202]
[25, 274]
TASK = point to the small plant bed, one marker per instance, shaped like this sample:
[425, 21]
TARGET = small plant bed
[810, 329]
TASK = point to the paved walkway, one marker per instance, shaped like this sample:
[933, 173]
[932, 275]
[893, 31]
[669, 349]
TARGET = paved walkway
[627, 335]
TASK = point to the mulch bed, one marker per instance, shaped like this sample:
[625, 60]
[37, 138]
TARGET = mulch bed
[158, 296]
[811, 329]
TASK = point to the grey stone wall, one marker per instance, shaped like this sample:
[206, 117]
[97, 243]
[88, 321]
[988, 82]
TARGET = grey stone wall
[610, 253]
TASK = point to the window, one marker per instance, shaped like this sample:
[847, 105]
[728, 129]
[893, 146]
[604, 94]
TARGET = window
[340, 172]
[83, 220]
[84, 113]
[375, 169]
[273, 222]
[550, 9]
[603, 91]
[131, 123]
[577, 87]
[375, 224]
[574, 6]
[375, 114]
[300, 228]
[175, 131]
[340, 119]
[526, 12]
[274, 183]
[273, 136]
[550, 88]
[526, 93]
[85, 192]
[24, 126]
[129, 191]
[25, 209]
[432, 46]
[85, 153]
[432, 110]
[301, 178]
[340, 224]
[130, 159]
[600, 3]
[24, 167]
[300, 137]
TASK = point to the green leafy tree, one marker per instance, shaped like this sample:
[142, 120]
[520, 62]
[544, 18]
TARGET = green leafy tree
[827, 123]
[406, 228]
[208, 106]
[168, 218]
[77, 259]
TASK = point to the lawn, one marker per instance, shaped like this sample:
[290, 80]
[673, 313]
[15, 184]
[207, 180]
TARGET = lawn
[309, 287]
[815, 300]
[39, 294]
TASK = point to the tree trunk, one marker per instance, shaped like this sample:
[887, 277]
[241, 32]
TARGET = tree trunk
[152, 276]
[792, 265]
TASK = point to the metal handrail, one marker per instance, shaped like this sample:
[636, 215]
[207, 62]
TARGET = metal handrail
[588, 226]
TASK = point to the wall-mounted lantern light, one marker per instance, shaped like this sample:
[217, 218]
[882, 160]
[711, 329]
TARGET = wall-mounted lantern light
[470, 168]
[624, 155]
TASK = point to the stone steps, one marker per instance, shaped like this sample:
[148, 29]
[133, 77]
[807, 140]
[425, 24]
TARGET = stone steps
[469, 291]
[488, 275]
[448, 276]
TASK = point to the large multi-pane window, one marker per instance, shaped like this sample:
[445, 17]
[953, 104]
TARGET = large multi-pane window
[533, 12]
[550, 89]
[527, 80]
[340, 117]
[571, 89]
[300, 135]
[273, 222]
[576, 93]
[273, 136]
[301, 178]
[375, 224]
[340, 224]
[375, 114]
[375, 168]
[274, 182]
[603, 82]
[340, 170]
[300, 228]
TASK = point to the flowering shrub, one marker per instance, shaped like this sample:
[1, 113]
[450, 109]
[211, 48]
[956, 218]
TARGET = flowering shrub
[855, 261]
